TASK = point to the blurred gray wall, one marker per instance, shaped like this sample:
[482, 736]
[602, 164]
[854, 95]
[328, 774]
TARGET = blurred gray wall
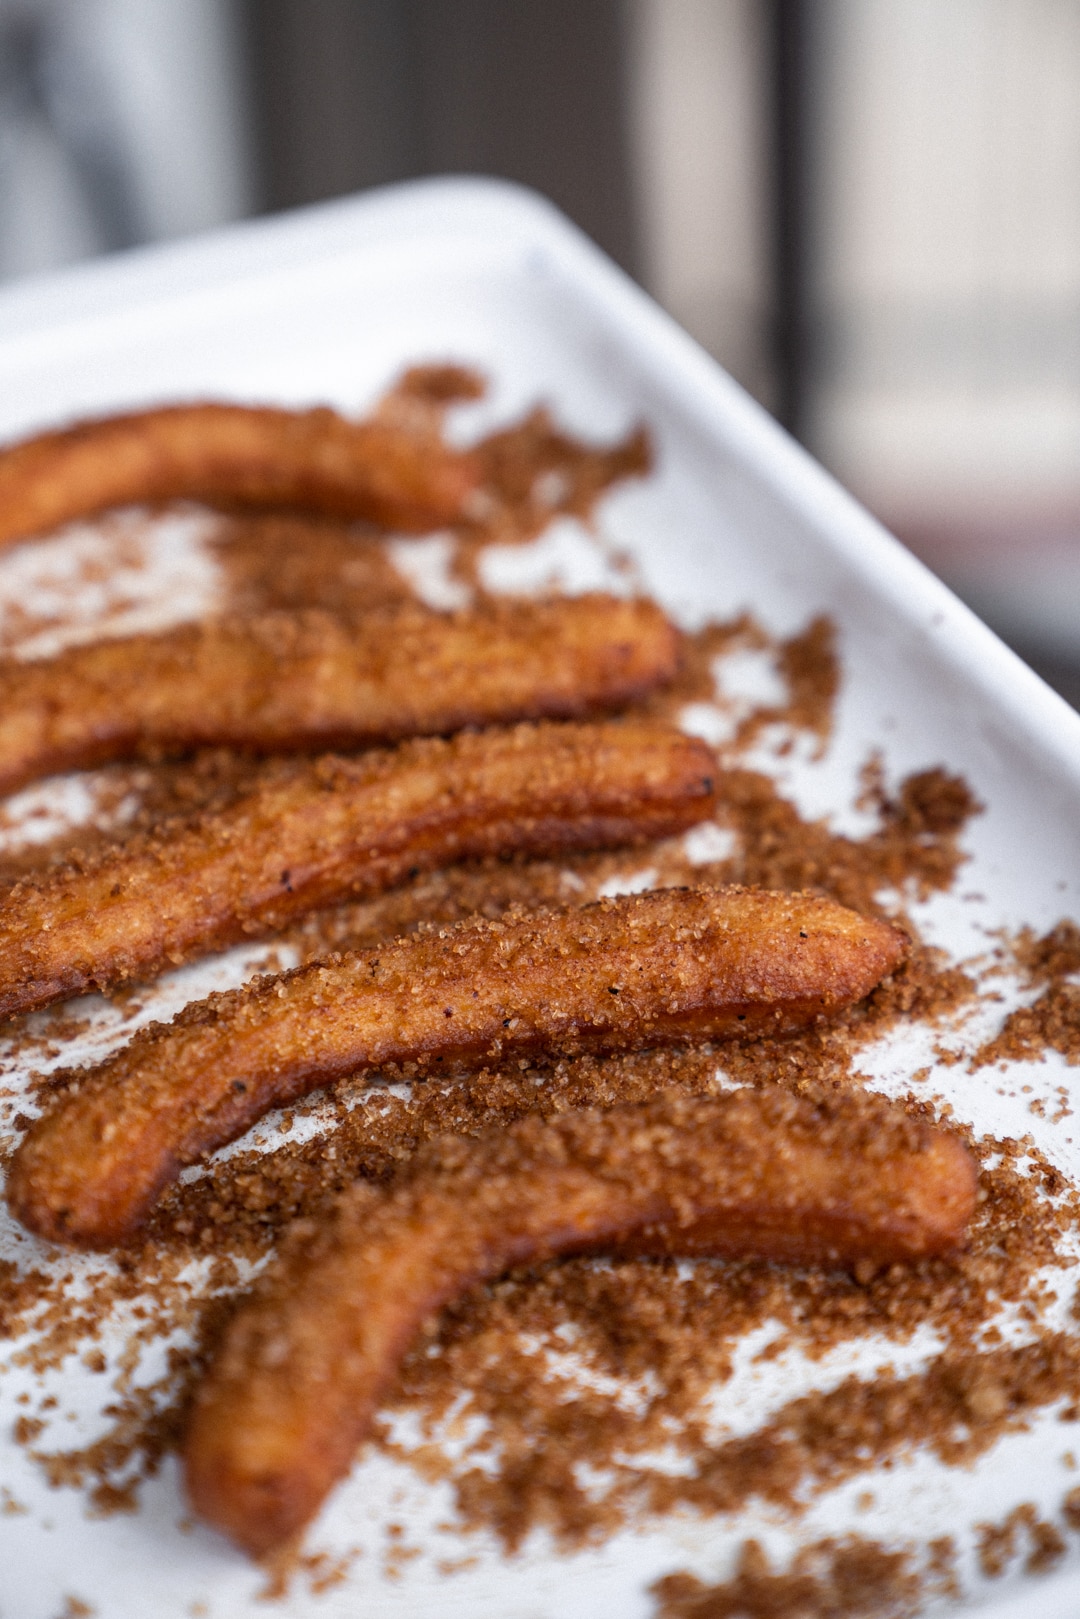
[353, 93]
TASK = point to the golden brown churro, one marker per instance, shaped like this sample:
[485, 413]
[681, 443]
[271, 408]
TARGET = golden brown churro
[673, 965]
[311, 680]
[236, 456]
[296, 1384]
[324, 830]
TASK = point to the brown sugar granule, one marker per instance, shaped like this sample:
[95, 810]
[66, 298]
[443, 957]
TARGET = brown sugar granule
[695, 681]
[542, 1431]
[996, 1544]
[832, 1579]
[20, 1292]
[146, 1420]
[939, 1573]
[142, 1429]
[273, 562]
[808, 663]
[1051, 957]
[1047, 1547]
[423, 392]
[915, 846]
[1052, 1021]
[533, 471]
[810, 668]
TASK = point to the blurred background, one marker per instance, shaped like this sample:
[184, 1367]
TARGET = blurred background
[869, 211]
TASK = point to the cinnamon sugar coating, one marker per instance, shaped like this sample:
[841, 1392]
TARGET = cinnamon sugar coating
[310, 834]
[643, 970]
[234, 456]
[311, 680]
[763, 1174]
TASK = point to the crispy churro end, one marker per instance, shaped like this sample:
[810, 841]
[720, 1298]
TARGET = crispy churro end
[257, 1510]
[890, 944]
[948, 1194]
[50, 1193]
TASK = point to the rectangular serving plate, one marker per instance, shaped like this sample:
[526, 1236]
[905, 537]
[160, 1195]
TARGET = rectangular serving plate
[327, 306]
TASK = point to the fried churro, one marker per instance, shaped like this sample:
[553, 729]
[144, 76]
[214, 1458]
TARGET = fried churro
[643, 970]
[234, 456]
[312, 680]
[295, 1386]
[319, 831]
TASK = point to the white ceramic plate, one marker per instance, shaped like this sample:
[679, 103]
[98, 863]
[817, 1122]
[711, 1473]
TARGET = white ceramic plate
[327, 306]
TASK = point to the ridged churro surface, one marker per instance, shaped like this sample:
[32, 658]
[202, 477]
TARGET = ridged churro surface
[323, 830]
[312, 680]
[637, 971]
[297, 1381]
[234, 456]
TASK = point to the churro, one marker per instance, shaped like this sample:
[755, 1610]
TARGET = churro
[296, 1383]
[312, 680]
[237, 457]
[314, 832]
[622, 974]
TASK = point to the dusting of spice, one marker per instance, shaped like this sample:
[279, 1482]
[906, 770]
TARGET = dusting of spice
[997, 1544]
[807, 663]
[579, 1373]
[845, 1578]
[1052, 1021]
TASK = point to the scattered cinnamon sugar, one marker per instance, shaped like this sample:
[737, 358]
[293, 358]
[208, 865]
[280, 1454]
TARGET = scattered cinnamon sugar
[533, 472]
[422, 395]
[297, 562]
[76, 1608]
[832, 1579]
[1052, 1021]
[580, 1374]
[996, 1544]
[320, 1571]
[674, 1329]
[325, 1573]
[807, 663]
[1049, 959]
